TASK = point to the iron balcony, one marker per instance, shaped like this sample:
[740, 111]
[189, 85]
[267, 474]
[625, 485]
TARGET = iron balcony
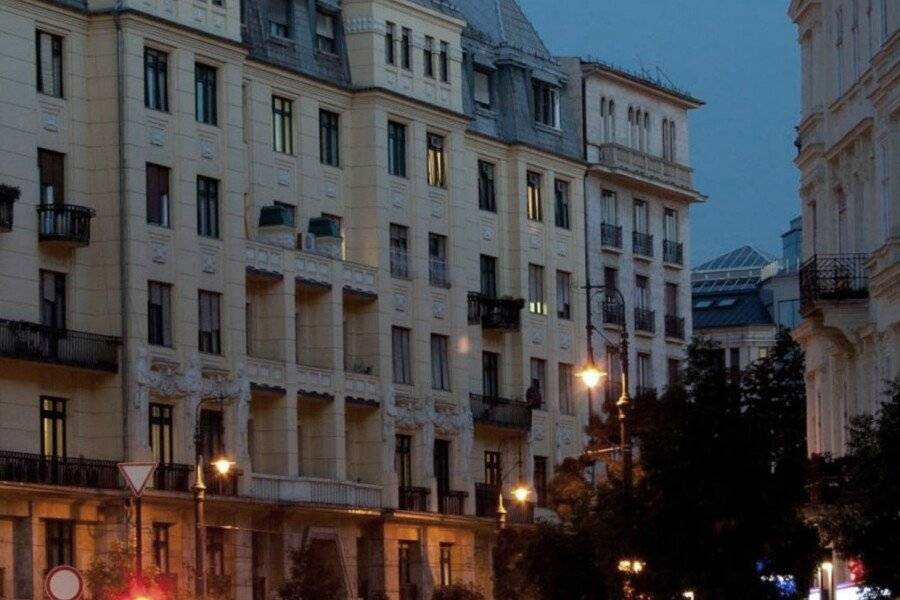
[833, 277]
[501, 314]
[31, 341]
[65, 224]
[500, 412]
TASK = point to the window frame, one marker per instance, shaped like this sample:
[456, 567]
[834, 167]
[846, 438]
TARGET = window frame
[444, 62]
[208, 207]
[390, 37]
[406, 48]
[401, 359]
[488, 80]
[160, 421]
[487, 186]
[158, 180]
[537, 298]
[399, 250]
[159, 329]
[209, 340]
[156, 71]
[396, 149]
[53, 427]
[562, 204]
[546, 103]
[490, 374]
[206, 100]
[534, 206]
[563, 295]
[282, 124]
[428, 57]
[445, 555]
[329, 138]
[325, 43]
[59, 542]
[161, 547]
[565, 381]
[56, 64]
[280, 29]
[440, 362]
[436, 160]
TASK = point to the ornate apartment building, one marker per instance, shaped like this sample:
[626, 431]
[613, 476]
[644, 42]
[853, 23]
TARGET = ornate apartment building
[638, 191]
[849, 161]
[338, 242]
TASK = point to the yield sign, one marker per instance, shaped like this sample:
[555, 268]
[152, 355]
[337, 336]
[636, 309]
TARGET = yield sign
[137, 475]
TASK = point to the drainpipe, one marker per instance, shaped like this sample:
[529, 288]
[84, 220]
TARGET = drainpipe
[123, 245]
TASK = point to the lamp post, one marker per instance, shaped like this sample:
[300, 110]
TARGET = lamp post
[591, 376]
[223, 466]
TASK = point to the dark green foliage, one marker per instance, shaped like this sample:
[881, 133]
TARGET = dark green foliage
[457, 591]
[861, 514]
[315, 573]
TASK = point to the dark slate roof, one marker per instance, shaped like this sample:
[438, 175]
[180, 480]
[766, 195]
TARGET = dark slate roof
[502, 23]
[745, 257]
[729, 309]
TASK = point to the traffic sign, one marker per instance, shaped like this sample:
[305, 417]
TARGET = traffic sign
[63, 583]
[137, 475]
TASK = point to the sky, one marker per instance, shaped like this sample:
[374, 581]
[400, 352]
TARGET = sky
[739, 56]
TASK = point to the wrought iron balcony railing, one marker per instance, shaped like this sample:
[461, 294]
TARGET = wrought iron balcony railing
[622, 158]
[22, 467]
[675, 327]
[39, 343]
[500, 412]
[413, 498]
[613, 312]
[643, 243]
[644, 320]
[673, 252]
[452, 502]
[611, 235]
[65, 224]
[833, 277]
[502, 314]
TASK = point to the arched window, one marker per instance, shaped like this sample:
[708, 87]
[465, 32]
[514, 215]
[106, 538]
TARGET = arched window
[631, 126]
[646, 137]
[611, 130]
[672, 141]
[603, 118]
[665, 139]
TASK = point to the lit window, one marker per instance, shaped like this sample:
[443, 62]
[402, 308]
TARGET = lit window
[534, 205]
[437, 165]
[536, 303]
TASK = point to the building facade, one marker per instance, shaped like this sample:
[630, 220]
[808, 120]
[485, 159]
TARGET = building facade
[849, 160]
[638, 192]
[340, 243]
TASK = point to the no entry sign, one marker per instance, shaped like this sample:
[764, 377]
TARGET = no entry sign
[63, 583]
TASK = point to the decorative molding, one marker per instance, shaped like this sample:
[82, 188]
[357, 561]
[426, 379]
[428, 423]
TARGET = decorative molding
[209, 263]
[283, 176]
[50, 121]
[487, 233]
[439, 309]
[159, 252]
[400, 302]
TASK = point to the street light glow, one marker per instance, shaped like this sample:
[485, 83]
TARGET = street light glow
[223, 465]
[591, 375]
[827, 566]
[520, 493]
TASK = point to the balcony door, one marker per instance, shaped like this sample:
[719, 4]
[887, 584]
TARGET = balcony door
[53, 299]
[51, 172]
[212, 432]
[670, 223]
[672, 299]
[442, 470]
[403, 460]
[490, 374]
[493, 468]
[53, 428]
[488, 266]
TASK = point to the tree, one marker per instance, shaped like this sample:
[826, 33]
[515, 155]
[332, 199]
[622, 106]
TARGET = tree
[111, 576]
[315, 572]
[860, 517]
[457, 591]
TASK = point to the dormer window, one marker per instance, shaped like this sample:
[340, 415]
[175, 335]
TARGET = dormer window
[325, 33]
[546, 104]
[278, 18]
[482, 89]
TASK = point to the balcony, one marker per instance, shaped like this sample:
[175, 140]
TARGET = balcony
[66, 225]
[22, 467]
[413, 498]
[30, 341]
[487, 498]
[611, 235]
[312, 490]
[452, 502]
[500, 412]
[501, 314]
[613, 312]
[645, 320]
[642, 244]
[833, 277]
[673, 252]
[675, 327]
[621, 158]
[8, 197]
[438, 272]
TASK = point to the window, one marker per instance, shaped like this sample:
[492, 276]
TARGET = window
[563, 295]
[536, 304]
[60, 542]
[279, 19]
[53, 299]
[390, 32]
[490, 374]
[428, 56]
[641, 217]
[161, 547]
[405, 48]
[438, 268]
[644, 378]
[205, 91]
[403, 460]
[672, 153]
[405, 559]
[325, 40]
[401, 356]
[561, 189]
[641, 292]
[399, 251]
[482, 89]
[282, 125]
[493, 468]
[437, 175]
[441, 455]
[534, 206]
[609, 207]
[487, 194]
[210, 336]
[52, 175]
[215, 551]
[156, 80]
[329, 138]
[670, 225]
[49, 64]
[161, 433]
[444, 62]
[440, 362]
[207, 207]
[540, 480]
[674, 368]
[546, 104]
[396, 149]
[159, 314]
[538, 387]
[212, 433]
[53, 428]
[446, 558]
[158, 195]
[488, 268]
[565, 389]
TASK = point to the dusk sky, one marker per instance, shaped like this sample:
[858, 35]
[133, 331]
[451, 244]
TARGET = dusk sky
[741, 57]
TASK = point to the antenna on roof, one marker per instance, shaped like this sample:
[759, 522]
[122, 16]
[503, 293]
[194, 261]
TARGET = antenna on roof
[660, 74]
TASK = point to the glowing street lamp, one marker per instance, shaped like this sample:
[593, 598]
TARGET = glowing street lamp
[520, 493]
[591, 375]
[223, 465]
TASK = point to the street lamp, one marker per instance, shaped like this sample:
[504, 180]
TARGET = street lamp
[629, 568]
[222, 466]
[826, 580]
